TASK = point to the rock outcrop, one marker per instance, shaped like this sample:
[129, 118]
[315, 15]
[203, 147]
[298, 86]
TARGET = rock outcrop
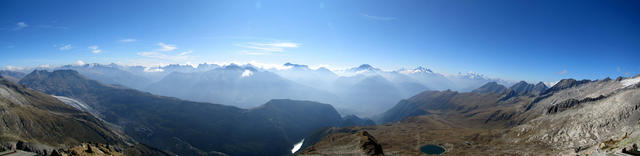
[345, 142]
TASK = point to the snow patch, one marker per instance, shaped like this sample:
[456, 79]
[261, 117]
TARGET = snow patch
[297, 146]
[153, 70]
[629, 82]
[74, 103]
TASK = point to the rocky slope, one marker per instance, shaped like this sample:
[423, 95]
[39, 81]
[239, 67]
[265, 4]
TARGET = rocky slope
[583, 115]
[44, 123]
[345, 142]
[572, 117]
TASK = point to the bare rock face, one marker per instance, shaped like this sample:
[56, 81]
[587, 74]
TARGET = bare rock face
[370, 145]
[346, 143]
[582, 116]
[524, 89]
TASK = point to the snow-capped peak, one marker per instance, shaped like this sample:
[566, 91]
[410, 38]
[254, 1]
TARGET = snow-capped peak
[418, 69]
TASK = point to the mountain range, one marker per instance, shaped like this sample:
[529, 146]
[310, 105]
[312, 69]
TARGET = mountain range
[570, 117]
[248, 86]
[191, 128]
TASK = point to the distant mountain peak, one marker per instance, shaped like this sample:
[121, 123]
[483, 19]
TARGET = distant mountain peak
[57, 77]
[521, 83]
[232, 66]
[289, 64]
[521, 86]
[422, 70]
[490, 87]
[470, 75]
[567, 83]
[206, 65]
[364, 67]
[416, 70]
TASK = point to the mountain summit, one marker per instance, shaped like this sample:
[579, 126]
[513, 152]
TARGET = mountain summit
[491, 87]
[288, 64]
[363, 68]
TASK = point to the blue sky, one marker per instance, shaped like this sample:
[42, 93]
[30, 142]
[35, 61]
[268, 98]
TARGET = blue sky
[518, 40]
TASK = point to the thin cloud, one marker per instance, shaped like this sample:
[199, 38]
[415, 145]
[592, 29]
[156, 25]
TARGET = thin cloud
[254, 52]
[79, 63]
[95, 49]
[563, 72]
[258, 5]
[185, 53]
[20, 26]
[166, 47]
[128, 40]
[269, 47]
[162, 56]
[66, 47]
[166, 53]
[23, 25]
[378, 18]
[51, 27]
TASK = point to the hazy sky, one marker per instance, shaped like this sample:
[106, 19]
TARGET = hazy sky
[512, 39]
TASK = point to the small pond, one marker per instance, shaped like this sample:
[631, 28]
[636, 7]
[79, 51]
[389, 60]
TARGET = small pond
[432, 149]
